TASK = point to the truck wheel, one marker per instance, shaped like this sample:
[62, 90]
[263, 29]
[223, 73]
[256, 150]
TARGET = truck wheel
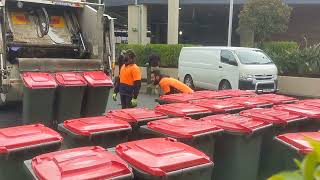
[225, 85]
[188, 81]
[3, 99]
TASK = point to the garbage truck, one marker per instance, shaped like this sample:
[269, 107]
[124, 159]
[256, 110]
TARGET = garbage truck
[52, 36]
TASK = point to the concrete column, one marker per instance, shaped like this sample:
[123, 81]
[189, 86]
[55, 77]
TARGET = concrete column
[173, 21]
[137, 24]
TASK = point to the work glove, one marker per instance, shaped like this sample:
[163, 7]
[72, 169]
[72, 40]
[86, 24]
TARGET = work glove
[114, 96]
[134, 102]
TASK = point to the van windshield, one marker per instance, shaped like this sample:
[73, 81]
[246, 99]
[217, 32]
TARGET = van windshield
[253, 57]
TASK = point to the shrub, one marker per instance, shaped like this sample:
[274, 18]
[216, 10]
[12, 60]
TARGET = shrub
[169, 54]
[284, 54]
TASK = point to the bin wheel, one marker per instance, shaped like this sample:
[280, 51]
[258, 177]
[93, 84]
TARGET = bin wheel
[189, 81]
[3, 99]
[225, 85]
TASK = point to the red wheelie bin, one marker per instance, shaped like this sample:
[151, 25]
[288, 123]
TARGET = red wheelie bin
[295, 146]
[21, 143]
[80, 163]
[198, 134]
[165, 158]
[217, 106]
[237, 150]
[99, 131]
[183, 110]
[282, 122]
[136, 117]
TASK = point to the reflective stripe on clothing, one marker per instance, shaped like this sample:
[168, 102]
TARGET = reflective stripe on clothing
[168, 83]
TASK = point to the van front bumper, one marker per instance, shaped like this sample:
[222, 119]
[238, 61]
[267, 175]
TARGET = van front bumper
[258, 86]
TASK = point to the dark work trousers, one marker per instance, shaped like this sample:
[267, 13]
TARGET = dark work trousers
[125, 101]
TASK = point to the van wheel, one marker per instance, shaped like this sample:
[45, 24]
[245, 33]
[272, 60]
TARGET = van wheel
[225, 85]
[188, 81]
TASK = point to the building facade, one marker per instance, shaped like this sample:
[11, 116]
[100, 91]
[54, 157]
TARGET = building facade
[204, 22]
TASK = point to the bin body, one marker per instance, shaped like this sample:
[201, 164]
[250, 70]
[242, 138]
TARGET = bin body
[179, 98]
[98, 131]
[183, 110]
[237, 151]
[38, 98]
[198, 134]
[295, 146]
[91, 162]
[69, 96]
[164, 158]
[136, 117]
[250, 102]
[97, 93]
[217, 106]
[271, 152]
[277, 99]
[21, 143]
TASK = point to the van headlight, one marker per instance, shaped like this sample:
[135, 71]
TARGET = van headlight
[246, 77]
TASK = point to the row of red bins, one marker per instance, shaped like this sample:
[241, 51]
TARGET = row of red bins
[222, 147]
[204, 107]
[52, 98]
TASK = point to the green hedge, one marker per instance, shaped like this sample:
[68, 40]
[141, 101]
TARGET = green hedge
[289, 58]
[169, 54]
[281, 53]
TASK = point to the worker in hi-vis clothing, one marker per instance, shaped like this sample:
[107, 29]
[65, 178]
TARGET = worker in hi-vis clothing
[129, 82]
[169, 85]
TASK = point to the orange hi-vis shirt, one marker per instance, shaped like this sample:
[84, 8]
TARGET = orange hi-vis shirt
[129, 74]
[167, 83]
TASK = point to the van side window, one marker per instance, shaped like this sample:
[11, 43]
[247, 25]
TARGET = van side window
[228, 58]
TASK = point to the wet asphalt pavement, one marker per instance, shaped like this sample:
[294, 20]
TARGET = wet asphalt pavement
[11, 114]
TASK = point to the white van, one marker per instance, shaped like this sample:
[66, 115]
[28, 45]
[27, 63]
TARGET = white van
[227, 68]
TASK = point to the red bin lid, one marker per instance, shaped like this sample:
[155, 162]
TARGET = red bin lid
[186, 97]
[249, 102]
[276, 98]
[271, 115]
[91, 125]
[92, 163]
[25, 136]
[218, 106]
[182, 127]
[135, 115]
[181, 109]
[97, 78]
[299, 140]
[311, 102]
[301, 109]
[70, 79]
[211, 94]
[37, 80]
[160, 156]
[234, 123]
[236, 93]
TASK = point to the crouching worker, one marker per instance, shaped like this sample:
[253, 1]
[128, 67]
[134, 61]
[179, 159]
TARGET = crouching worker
[169, 85]
[129, 82]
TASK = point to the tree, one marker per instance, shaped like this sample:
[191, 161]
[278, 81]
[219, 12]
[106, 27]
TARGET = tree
[264, 17]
